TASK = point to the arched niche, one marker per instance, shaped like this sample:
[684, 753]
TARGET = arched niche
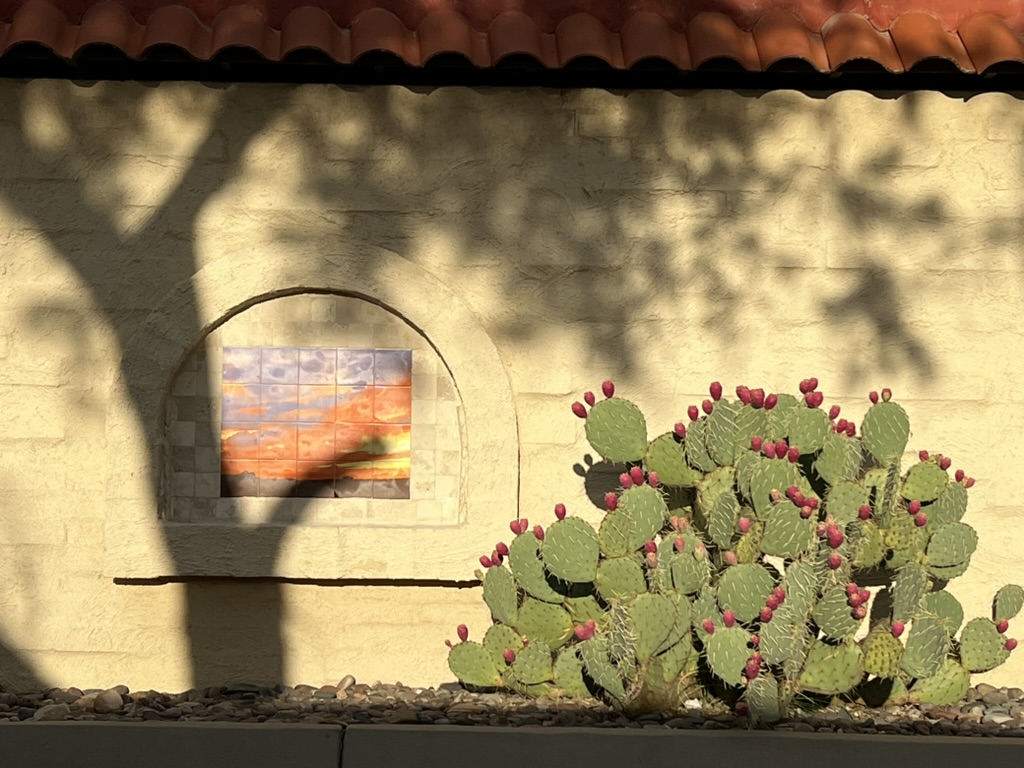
[151, 533]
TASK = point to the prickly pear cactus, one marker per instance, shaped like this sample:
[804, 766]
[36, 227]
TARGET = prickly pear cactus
[681, 580]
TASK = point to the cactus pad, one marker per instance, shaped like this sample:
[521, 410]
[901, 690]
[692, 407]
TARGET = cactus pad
[745, 466]
[763, 700]
[885, 430]
[653, 617]
[801, 582]
[808, 428]
[782, 640]
[845, 500]
[722, 433]
[473, 665]
[705, 607]
[680, 631]
[831, 669]
[615, 535]
[620, 577]
[499, 637]
[1007, 603]
[834, 616]
[981, 646]
[583, 608]
[867, 544]
[946, 687]
[952, 544]
[774, 474]
[500, 595]
[617, 430]
[743, 589]
[787, 534]
[946, 607]
[665, 456]
[528, 569]
[532, 665]
[908, 589]
[840, 458]
[568, 672]
[544, 622]
[925, 481]
[927, 646]
[728, 652]
[570, 549]
[690, 574]
[646, 509]
[722, 519]
[949, 507]
[594, 653]
[882, 652]
[696, 448]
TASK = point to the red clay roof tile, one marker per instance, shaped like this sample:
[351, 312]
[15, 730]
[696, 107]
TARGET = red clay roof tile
[896, 34]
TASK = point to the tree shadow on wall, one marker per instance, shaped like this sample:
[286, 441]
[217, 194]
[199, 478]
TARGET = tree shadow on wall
[470, 204]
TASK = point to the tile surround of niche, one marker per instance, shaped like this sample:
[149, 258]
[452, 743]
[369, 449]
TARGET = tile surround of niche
[418, 414]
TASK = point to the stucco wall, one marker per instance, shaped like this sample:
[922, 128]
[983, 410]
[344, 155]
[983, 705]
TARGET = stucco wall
[539, 242]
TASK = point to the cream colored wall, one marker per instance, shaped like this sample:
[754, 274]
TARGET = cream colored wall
[543, 241]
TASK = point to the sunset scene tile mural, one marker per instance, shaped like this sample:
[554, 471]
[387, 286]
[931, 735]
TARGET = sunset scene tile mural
[316, 422]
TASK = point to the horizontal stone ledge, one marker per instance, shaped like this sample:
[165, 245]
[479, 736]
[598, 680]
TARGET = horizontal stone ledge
[442, 746]
[169, 745]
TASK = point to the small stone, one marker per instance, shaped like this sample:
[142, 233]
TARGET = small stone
[803, 727]
[995, 698]
[122, 689]
[1015, 693]
[348, 681]
[50, 712]
[996, 717]
[25, 713]
[108, 702]
[402, 717]
[326, 692]
[172, 713]
[984, 688]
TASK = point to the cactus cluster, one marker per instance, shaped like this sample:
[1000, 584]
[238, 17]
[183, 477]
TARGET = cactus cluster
[731, 562]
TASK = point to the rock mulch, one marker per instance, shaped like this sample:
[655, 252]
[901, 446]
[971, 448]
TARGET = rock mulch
[987, 711]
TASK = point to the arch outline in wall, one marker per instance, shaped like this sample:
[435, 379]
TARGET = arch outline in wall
[139, 545]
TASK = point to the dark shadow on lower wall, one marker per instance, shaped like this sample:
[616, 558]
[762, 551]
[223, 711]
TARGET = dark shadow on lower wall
[16, 674]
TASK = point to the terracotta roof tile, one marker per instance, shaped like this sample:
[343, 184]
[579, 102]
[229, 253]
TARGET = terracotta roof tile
[895, 34]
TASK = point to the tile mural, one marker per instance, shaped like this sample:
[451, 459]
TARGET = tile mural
[316, 422]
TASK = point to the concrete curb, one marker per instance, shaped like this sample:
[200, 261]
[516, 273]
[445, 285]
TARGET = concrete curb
[72, 744]
[436, 746]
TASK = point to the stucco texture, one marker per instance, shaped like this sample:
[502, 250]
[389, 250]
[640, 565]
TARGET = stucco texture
[539, 242]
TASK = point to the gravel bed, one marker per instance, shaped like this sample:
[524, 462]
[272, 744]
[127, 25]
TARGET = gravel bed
[987, 711]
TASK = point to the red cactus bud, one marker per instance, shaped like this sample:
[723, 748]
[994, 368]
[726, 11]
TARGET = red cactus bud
[744, 394]
[637, 475]
[821, 529]
[625, 480]
[766, 615]
[608, 388]
[709, 626]
[944, 463]
[524, 524]
[581, 632]
[449, 643]
[755, 640]
[650, 546]
[728, 618]
[793, 455]
[502, 548]
[811, 502]
[814, 399]
[679, 429]
[1002, 626]
[756, 442]
[611, 501]
[864, 595]
[772, 602]
[864, 513]
[854, 600]
[560, 511]
[834, 561]
[769, 450]
[859, 612]
[969, 482]
[693, 413]
[579, 410]
[538, 532]
[897, 628]
[509, 655]
[833, 412]
[716, 391]
[835, 537]
[922, 455]
[852, 589]
[781, 448]
[851, 429]
[959, 475]
[914, 507]
[707, 406]
[1010, 644]
[679, 544]
[463, 632]
[744, 524]
[873, 397]
[841, 425]
[808, 385]
[757, 398]
[920, 519]
[774, 495]
[806, 511]
[589, 399]
[752, 670]
[730, 558]
[653, 480]
[652, 559]
[779, 594]
[771, 401]
[886, 395]
[485, 561]
[496, 558]
[792, 492]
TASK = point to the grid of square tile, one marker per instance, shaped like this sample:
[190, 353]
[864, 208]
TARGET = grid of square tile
[313, 326]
